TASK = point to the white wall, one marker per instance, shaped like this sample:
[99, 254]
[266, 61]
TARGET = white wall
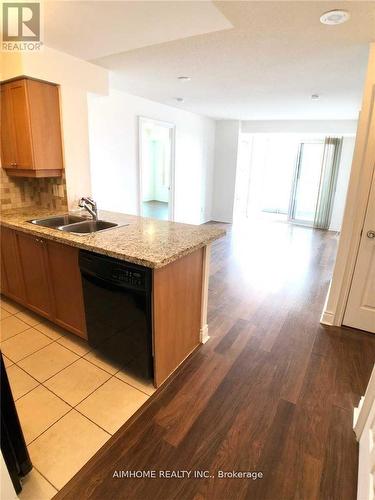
[76, 78]
[342, 183]
[326, 127]
[113, 123]
[226, 150]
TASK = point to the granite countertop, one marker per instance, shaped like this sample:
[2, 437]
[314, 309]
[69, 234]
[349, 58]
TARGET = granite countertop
[149, 242]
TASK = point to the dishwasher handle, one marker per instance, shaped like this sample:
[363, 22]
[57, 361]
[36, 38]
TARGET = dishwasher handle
[100, 282]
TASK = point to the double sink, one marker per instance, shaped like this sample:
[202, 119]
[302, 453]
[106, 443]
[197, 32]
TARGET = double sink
[74, 224]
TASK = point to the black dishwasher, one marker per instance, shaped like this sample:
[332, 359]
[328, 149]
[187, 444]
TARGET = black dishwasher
[117, 298]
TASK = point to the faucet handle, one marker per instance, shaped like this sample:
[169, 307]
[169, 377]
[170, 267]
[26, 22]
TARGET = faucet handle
[84, 200]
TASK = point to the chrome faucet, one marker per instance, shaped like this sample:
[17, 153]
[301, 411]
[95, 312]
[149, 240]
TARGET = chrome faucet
[90, 205]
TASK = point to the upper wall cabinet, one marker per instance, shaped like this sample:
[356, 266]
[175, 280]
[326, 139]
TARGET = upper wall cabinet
[30, 128]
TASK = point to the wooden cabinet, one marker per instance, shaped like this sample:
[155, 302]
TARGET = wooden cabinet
[177, 301]
[30, 128]
[8, 153]
[34, 271]
[44, 276]
[11, 277]
[66, 287]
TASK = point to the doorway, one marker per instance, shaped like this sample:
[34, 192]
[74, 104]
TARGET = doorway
[156, 168]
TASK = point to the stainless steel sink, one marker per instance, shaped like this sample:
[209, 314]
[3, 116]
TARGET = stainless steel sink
[58, 220]
[88, 226]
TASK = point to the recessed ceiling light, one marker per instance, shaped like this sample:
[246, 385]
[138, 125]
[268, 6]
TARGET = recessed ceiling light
[184, 78]
[315, 97]
[334, 17]
[179, 99]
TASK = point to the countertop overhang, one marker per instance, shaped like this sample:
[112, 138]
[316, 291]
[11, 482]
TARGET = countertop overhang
[148, 242]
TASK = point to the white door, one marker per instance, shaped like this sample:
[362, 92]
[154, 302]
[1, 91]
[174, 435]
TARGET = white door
[360, 309]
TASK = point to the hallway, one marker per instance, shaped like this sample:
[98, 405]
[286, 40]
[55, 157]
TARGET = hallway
[273, 391]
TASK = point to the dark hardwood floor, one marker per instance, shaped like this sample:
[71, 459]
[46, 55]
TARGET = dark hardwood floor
[272, 391]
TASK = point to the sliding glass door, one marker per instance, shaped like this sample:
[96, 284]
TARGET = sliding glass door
[305, 191]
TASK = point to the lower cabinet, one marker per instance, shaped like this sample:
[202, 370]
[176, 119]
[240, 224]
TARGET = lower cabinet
[11, 277]
[44, 276]
[65, 277]
[35, 273]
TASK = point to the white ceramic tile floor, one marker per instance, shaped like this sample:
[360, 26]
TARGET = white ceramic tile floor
[52, 331]
[69, 398]
[36, 487]
[46, 362]
[24, 344]
[65, 447]
[29, 317]
[77, 381]
[20, 382]
[112, 404]
[38, 410]
[11, 326]
[4, 313]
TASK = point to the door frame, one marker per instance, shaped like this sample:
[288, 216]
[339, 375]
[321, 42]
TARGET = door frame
[356, 206]
[350, 307]
[172, 131]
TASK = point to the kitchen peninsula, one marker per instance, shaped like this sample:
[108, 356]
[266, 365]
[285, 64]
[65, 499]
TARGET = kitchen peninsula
[41, 270]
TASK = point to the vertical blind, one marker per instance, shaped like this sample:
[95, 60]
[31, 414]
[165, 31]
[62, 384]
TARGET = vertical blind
[328, 180]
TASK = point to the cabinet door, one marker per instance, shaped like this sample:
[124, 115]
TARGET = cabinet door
[18, 103]
[11, 277]
[8, 154]
[32, 252]
[65, 279]
[45, 121]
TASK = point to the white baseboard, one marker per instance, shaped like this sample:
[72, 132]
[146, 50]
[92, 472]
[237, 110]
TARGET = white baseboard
[327, 318]
[221, 218]
[204, 334]
[205, 219]
[356, 413]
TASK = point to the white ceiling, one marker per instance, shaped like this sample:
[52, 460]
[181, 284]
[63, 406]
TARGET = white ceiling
[266, 67]
[93, 29]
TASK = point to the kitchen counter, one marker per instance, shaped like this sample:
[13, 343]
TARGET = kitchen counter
[148, 242]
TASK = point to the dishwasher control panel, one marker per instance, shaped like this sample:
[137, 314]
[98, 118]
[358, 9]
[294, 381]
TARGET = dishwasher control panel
[117, 272]
[129, 276]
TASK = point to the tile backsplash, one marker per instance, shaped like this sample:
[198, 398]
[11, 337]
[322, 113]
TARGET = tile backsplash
[19, 192]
